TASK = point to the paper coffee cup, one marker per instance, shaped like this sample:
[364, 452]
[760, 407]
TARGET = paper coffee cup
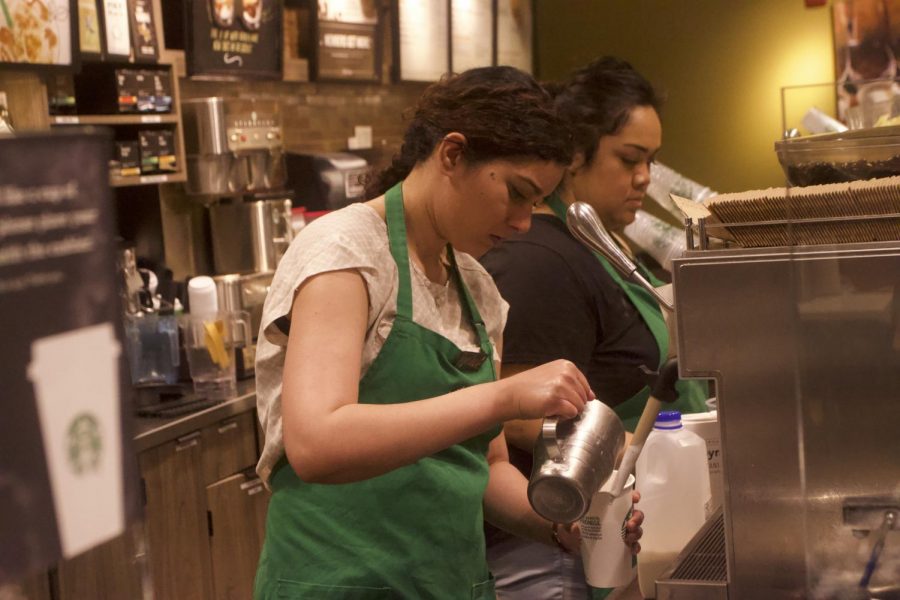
[76, 387]
[607, 560]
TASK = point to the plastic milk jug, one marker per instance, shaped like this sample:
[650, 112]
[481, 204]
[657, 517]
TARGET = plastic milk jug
[673, 479]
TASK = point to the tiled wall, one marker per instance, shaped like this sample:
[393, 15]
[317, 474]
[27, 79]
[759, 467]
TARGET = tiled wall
[319, 117]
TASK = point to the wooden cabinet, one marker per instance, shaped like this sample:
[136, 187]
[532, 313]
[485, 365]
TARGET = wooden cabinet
[229, 446]
[237, 520]
[203, 528]
[205, 511]
[175, 517]
[88, 575]
[35, 587]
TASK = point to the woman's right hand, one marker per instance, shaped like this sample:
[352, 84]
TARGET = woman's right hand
[557, 388]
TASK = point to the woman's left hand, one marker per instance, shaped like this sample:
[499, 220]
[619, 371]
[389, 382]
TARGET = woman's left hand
[633, 530]
[569, 537]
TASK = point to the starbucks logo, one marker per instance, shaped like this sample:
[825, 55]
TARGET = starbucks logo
[85, 443]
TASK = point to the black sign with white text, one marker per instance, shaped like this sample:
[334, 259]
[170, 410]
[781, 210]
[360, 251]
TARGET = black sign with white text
[67, 473]
[235, 38]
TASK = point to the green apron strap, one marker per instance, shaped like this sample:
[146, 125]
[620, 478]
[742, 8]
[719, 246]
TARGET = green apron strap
[396, 225]
[484, 340]
[639, 297]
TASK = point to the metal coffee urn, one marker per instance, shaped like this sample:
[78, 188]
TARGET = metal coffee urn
[235, 157]
[232, 218]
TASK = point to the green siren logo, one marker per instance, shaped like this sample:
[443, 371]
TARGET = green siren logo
[85, 443]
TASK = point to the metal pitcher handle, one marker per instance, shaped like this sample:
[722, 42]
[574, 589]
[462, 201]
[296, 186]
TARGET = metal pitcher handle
[240, 322]
[284, 232]
[548, 437]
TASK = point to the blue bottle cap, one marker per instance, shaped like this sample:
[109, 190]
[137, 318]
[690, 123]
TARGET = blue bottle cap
[668, 419]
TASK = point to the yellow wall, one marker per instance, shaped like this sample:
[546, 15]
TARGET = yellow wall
[721, 63]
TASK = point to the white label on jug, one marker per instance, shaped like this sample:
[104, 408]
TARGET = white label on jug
[714, 456]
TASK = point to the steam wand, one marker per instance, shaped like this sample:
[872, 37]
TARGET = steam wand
[584, 223]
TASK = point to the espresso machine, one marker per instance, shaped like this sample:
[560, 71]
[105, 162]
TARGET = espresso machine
[803, 340]
[232, 218]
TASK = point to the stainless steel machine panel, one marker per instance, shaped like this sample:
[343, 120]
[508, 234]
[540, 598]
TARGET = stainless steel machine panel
[804, 344]
[250, 237]
[232, 146]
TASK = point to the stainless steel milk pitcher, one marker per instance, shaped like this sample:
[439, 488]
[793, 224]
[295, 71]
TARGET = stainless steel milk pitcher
[572, 459]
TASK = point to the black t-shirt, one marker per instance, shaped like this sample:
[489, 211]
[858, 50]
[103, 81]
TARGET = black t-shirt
[563, 304]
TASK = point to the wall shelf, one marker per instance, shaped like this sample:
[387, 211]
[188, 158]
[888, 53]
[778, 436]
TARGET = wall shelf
[154, 179]
[128, 124]
[127, 119]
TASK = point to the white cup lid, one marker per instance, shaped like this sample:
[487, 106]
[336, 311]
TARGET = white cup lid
[202, 297]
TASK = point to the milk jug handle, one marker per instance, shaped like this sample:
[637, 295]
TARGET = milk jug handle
[549, 439]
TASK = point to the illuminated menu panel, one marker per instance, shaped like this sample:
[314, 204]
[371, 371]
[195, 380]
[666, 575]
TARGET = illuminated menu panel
[36, 32]
[118, 39]
[89, 27]
[347, 45]
[348, 11]
[230, 39]
[473, 31]
[515, 24]
[424, 54]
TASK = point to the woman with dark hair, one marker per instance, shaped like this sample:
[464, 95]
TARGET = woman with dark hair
[582, 310]
[377, 356]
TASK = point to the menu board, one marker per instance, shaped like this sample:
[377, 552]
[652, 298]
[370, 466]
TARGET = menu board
[37, 33]
[472, 27]
[143, 30]
[89, 27]
[422, 40]
[347, 41]
[117, 28]
[515, 24]
[68, 480]
[235, 39]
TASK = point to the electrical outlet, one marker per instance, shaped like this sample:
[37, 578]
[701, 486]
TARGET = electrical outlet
[362, 138]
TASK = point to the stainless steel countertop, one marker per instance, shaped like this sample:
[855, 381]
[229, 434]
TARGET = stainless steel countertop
[150, 432]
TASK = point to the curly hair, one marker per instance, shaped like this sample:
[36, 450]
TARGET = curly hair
[503, 113]
[598, 98]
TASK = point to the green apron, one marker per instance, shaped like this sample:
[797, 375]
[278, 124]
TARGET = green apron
[417, 531]
[692, 394]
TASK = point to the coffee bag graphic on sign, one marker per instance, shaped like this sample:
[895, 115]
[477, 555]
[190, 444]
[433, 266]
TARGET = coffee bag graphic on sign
[235, 39]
